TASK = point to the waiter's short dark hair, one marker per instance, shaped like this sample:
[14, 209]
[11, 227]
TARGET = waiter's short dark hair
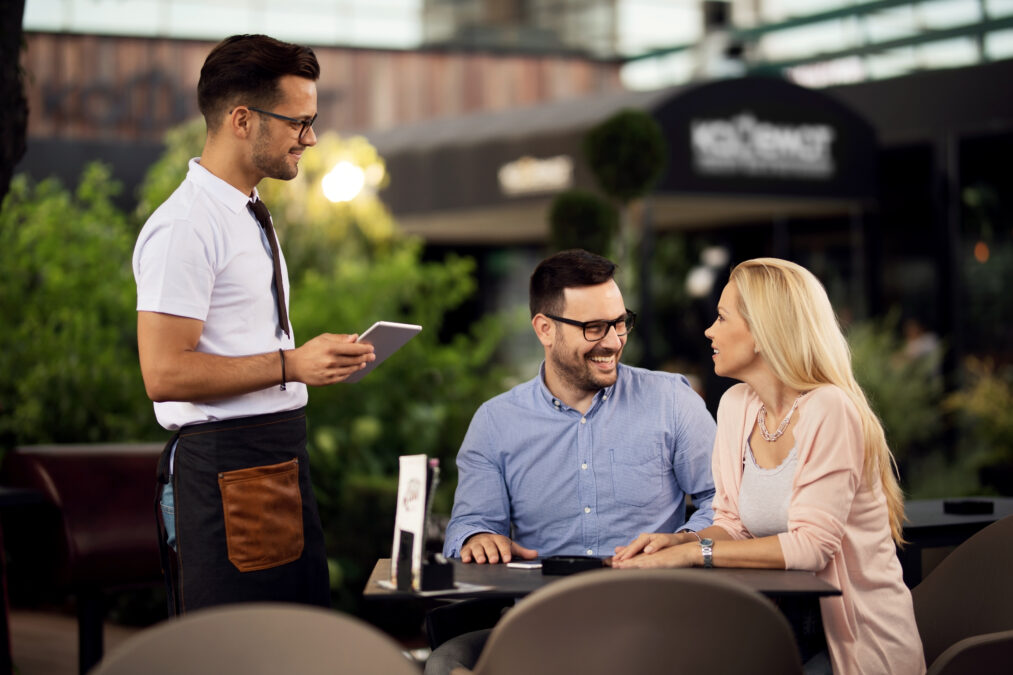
[245, 69]
[572, 268]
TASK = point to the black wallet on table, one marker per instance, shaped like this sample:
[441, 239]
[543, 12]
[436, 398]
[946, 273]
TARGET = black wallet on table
[570, 564]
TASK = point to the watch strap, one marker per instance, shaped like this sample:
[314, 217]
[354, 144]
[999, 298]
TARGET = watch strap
[707, 549]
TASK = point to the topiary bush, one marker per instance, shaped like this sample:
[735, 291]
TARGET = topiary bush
[626, 154]
[581, 219]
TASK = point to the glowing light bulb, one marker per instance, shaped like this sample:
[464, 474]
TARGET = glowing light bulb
[344, 182]
[981, 252]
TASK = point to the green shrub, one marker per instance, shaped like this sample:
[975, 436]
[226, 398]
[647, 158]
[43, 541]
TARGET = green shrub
[983, 408]
[68, 347]
[581, 219]
[905, 393]
[626, 154]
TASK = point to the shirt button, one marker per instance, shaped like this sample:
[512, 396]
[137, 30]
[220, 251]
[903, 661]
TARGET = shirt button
[590, 552]
[584, 466]
[605, 397]
[587, 509]
[583, 420]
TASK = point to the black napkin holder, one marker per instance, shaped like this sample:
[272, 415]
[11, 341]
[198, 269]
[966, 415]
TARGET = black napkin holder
[437, 573]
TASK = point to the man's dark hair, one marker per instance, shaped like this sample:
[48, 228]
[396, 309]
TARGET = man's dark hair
[245, 69]
[572, 268]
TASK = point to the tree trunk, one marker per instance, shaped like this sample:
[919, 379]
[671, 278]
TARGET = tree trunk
[14, 107]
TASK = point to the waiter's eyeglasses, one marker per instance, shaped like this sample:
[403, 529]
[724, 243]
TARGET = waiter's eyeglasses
[304, 125]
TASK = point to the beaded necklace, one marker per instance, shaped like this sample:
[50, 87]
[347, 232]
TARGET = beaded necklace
[761, 421]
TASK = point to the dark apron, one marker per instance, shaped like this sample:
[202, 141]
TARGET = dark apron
[247, 526]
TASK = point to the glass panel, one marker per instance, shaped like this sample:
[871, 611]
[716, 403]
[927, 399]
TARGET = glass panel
[949, 53]
[386, 23]
[999, 45]
[779, 10]
[997, 8]
[892, 63]
[891, 24]
[644, 26]
[826, 36]
[658, 72]
[938, 14]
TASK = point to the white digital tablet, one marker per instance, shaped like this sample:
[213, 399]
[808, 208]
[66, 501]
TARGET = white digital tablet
[386, 337]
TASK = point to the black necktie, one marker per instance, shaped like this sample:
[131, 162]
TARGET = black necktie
[264, 218]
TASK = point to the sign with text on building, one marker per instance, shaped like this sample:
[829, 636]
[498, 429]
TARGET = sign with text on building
[765, 136]
[530, 175]
[749, 146]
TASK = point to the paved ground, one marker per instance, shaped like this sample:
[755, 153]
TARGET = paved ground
[45, 643]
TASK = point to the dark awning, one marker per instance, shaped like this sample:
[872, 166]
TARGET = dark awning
[740, 150]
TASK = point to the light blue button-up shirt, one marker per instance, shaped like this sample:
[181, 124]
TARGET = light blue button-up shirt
[573, 484]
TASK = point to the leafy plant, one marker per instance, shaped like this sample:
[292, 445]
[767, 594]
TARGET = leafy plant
[581, 219]
[626, 153]
[906, 393]
[68, 348]
[983, 407]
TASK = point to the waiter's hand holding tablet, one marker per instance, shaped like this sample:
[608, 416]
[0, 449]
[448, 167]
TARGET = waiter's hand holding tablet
[386, 337]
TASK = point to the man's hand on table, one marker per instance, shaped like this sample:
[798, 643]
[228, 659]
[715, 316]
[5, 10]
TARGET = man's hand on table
[493, 548]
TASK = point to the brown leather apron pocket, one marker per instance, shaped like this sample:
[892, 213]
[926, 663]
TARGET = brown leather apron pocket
[263, 515]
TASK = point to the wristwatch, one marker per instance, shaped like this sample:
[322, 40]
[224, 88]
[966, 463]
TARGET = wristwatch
[707, 548]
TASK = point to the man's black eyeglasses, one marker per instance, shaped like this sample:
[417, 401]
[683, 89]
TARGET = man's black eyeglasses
[596, 330]
[303, 124]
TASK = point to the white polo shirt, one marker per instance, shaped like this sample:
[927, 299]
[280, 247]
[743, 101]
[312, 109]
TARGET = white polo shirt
[203, 255]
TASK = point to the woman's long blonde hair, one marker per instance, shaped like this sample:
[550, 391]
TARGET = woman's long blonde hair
[795, 327]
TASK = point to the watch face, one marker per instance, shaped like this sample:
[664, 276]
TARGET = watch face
[706, 542]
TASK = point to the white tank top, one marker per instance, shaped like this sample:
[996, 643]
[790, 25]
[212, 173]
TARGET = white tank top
[765, 494]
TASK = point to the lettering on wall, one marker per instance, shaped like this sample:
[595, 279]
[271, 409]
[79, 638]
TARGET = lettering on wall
[746, 146]
[529, 175]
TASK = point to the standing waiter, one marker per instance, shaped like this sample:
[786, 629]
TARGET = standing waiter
[217, 350]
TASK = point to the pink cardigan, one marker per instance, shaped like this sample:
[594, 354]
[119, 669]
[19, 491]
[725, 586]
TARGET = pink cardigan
[837, 528]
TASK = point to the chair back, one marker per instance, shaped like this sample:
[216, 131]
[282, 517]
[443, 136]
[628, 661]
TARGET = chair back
[641, 621]
[259, 639]
[969, 593]
[989, 654]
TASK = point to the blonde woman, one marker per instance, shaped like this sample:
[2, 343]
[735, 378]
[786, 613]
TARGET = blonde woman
[804, 477]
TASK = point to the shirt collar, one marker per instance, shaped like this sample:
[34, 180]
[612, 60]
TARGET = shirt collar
[220, 190]
[602, 394]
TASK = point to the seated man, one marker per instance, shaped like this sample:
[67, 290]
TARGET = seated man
[588, 453]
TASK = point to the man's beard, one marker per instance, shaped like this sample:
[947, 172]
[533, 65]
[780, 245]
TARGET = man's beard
[268, 166]
[577, 372]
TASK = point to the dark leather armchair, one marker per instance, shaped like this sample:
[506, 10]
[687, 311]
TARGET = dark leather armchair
[94, 532]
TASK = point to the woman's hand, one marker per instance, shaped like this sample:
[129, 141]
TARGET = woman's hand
[681, 555]
[651, 542]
